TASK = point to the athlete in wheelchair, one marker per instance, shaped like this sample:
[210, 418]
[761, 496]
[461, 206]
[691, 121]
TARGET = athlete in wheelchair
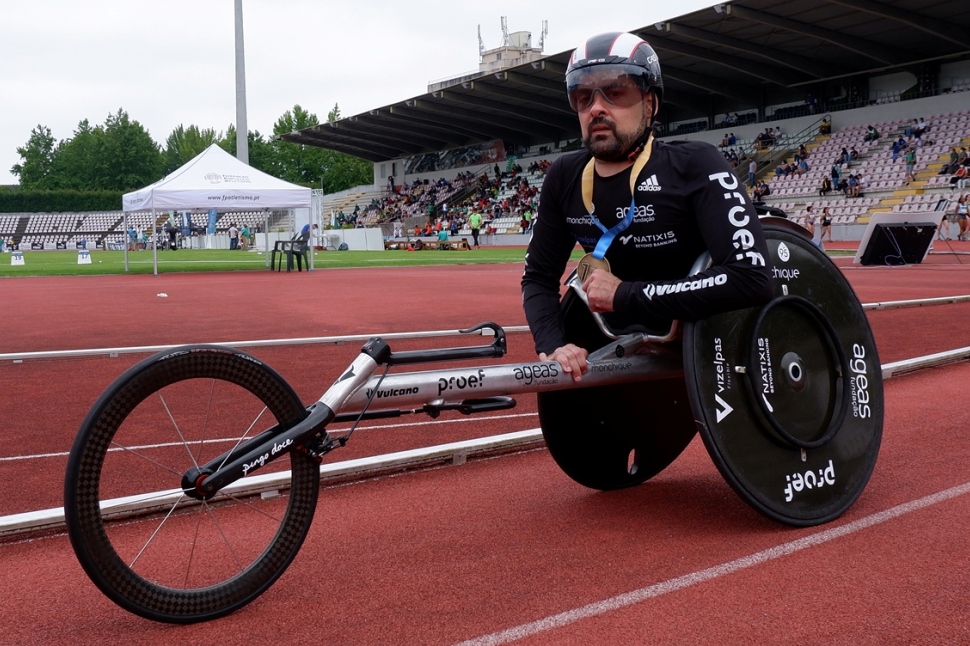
[183, 508]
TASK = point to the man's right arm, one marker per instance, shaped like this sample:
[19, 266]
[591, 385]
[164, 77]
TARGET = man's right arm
[545, 262]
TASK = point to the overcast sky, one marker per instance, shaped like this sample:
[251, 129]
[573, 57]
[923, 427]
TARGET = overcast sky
[172, 62]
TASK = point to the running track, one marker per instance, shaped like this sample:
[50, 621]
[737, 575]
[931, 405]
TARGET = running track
[508, 547]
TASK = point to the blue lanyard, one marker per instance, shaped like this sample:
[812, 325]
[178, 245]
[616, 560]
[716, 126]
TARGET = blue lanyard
[609, 235]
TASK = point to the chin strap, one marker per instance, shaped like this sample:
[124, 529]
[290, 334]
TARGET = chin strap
[637, 149]
[640, 144]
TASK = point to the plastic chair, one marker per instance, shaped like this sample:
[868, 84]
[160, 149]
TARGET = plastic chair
[295, 248]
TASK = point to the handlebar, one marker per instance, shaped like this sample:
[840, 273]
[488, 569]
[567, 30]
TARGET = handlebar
[378, 349]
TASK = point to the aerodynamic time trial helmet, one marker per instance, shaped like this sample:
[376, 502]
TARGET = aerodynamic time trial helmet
[614, 55]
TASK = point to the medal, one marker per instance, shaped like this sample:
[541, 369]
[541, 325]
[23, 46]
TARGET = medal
[588, 263]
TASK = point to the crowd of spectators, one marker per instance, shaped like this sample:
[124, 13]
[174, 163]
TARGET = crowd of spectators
[406, 201]
[501, 193]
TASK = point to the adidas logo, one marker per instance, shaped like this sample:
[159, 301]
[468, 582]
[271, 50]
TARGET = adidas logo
[649, 184]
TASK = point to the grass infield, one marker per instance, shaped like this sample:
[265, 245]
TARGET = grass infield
[64, 263]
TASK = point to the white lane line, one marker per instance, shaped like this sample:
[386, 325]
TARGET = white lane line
[679, 583]
[338, 428]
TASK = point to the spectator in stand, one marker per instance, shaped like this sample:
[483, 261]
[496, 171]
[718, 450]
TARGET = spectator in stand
[952, 165]
[732, 119]
[853, 187]
[910, 160]
[919, 128]
[732, 140]
[826, 187]
[810, 103]
[826, 224]
[836, 172]
[898, 147]
[759, 140]
[861, 184]
[752, 172]
[825, 128]
[761, 192]
[724, 142]
[803, 167]
[871, 134]
[959, 179]
[853, 154]
[844, 157]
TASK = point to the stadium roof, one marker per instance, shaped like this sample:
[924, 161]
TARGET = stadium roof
[732, 57]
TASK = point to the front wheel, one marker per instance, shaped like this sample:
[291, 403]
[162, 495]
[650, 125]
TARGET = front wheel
[150, 548]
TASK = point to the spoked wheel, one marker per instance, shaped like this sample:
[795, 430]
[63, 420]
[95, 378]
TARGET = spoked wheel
[147, 545]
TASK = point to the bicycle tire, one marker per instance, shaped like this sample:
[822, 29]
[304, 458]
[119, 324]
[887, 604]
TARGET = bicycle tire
[201, 559]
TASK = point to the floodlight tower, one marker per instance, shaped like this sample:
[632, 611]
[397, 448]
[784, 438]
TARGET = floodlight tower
[242, 129]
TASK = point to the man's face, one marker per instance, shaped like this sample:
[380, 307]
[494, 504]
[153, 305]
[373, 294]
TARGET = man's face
[613, 114]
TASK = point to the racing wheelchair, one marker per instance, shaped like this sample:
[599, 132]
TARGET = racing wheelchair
[220, 459]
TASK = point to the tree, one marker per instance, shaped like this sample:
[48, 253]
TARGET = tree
[38, 158]
[294, 162]
[185, 143]
[129, 157]
[77, 159]
[315, 167]
[261, 154]
[119, 155]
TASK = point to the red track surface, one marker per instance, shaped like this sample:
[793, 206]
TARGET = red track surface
[456, 553]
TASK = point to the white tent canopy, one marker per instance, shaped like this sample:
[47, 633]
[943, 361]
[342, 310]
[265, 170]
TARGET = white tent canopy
[214, 179]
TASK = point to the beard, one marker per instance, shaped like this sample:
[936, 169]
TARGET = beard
[617, 147]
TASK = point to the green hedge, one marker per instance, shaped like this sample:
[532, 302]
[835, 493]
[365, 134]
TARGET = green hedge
[32, 201]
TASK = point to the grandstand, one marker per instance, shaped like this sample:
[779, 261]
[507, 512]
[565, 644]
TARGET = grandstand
[104, 230]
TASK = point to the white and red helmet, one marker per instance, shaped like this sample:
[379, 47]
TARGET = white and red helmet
[622, 54]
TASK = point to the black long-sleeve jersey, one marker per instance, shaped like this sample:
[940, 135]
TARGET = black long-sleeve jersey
[687, 201]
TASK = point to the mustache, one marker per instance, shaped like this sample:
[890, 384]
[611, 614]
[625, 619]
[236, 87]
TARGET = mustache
[602, 121]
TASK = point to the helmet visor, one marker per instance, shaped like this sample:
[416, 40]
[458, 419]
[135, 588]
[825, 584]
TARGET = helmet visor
[620, 85]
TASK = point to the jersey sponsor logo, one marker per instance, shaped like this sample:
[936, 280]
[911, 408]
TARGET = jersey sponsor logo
[650, 184]
[585, 219]
[644, 213]
[649, 240]
[742, 239]
[686, 286]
